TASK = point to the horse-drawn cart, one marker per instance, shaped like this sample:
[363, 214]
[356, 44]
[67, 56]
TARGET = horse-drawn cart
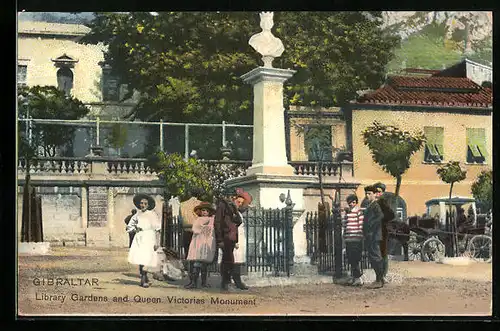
[426, 238]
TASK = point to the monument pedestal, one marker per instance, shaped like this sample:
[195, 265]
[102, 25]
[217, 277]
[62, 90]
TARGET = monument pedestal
[266, 188]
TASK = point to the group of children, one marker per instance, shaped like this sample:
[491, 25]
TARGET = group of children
[202, 246]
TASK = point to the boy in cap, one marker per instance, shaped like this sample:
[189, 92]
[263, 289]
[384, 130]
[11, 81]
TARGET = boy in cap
[389, 215]
[372, 231]
[353, 237]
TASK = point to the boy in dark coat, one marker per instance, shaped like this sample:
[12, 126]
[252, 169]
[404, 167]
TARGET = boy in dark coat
[372, 232]
[389, 215]
[227, 220]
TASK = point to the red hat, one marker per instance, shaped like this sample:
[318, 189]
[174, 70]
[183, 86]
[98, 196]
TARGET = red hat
[245, 195]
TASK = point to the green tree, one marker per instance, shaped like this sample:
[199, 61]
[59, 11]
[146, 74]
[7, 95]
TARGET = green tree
[482, 190]
[186, 65]
[179, 175]
[452, 173]
[47, 102]
[392, 148]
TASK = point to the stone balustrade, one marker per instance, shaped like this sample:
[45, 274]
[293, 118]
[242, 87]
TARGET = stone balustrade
[328, 169]
[55, 166]
[129, 166]
[136, 166]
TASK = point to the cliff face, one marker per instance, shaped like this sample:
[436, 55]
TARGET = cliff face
[478, 23]
[438, 39]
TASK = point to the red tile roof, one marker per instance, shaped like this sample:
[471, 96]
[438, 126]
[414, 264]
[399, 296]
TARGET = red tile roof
[430, 91]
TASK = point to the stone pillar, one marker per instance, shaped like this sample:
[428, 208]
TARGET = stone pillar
[85, 206]
[97, 233]
[269, 149]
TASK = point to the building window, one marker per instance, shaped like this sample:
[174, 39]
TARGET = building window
[318, 143]
[22, 71]
[65, 80]
[434, 144]
[476, 145]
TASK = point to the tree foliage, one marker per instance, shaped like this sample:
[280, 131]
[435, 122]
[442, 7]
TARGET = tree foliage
[482, 190]
[451, 172]
[47, 102]
[392, 148]
[186, 65]
[179, 175]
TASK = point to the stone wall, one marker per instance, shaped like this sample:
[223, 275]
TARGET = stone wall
[68, 222]
[61, 215]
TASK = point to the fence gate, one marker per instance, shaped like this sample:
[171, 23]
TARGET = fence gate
[269, 242]
[321, 244]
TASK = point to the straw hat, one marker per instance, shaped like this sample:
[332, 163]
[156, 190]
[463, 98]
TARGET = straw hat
[140, 196]
[204, 205]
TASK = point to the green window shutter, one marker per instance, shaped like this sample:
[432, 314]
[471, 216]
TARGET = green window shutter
[434, 141]
[476, 142]
[430, 134]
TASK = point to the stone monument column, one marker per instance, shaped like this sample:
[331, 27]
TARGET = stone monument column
[270, 173]
[269, 149]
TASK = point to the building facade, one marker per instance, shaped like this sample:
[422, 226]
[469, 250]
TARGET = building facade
[454, 113]
[49, 54]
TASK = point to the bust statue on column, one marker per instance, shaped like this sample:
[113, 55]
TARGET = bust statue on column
[265, 43]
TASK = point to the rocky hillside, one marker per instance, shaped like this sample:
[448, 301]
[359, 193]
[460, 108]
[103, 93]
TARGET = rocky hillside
[478, 23]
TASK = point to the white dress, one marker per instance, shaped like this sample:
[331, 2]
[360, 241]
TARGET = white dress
[240, 253]
[142, 250]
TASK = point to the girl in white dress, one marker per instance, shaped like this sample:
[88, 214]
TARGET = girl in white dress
[145, 223]
[240, 252]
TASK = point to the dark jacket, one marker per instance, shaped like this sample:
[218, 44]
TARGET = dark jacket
[389, 214]
[372, 222]
[227, 220]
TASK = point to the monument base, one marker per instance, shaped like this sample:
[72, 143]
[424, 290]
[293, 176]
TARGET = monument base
[266, 188]
[285, 170]
[34, 248]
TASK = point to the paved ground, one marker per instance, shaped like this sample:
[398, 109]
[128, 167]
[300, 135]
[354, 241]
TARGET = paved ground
[423, 289]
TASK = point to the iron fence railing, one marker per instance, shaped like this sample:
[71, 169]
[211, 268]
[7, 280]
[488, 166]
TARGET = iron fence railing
[321, 245]
[129, 134]
[268, 240]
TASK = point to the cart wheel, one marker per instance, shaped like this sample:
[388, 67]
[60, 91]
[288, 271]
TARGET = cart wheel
[432, 250]
[480, 248]
[414, 249]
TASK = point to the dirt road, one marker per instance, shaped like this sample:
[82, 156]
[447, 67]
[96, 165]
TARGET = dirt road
[88, 277]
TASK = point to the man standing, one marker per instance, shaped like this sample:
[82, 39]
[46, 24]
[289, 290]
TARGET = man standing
[389, 215]
[353, 237]
[187, 218]
[227, 221]
[372, 231]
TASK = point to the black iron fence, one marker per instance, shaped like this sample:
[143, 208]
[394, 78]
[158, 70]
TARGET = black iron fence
[269, 242]
[320, 236]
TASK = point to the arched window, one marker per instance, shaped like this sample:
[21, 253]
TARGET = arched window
[65, 80]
